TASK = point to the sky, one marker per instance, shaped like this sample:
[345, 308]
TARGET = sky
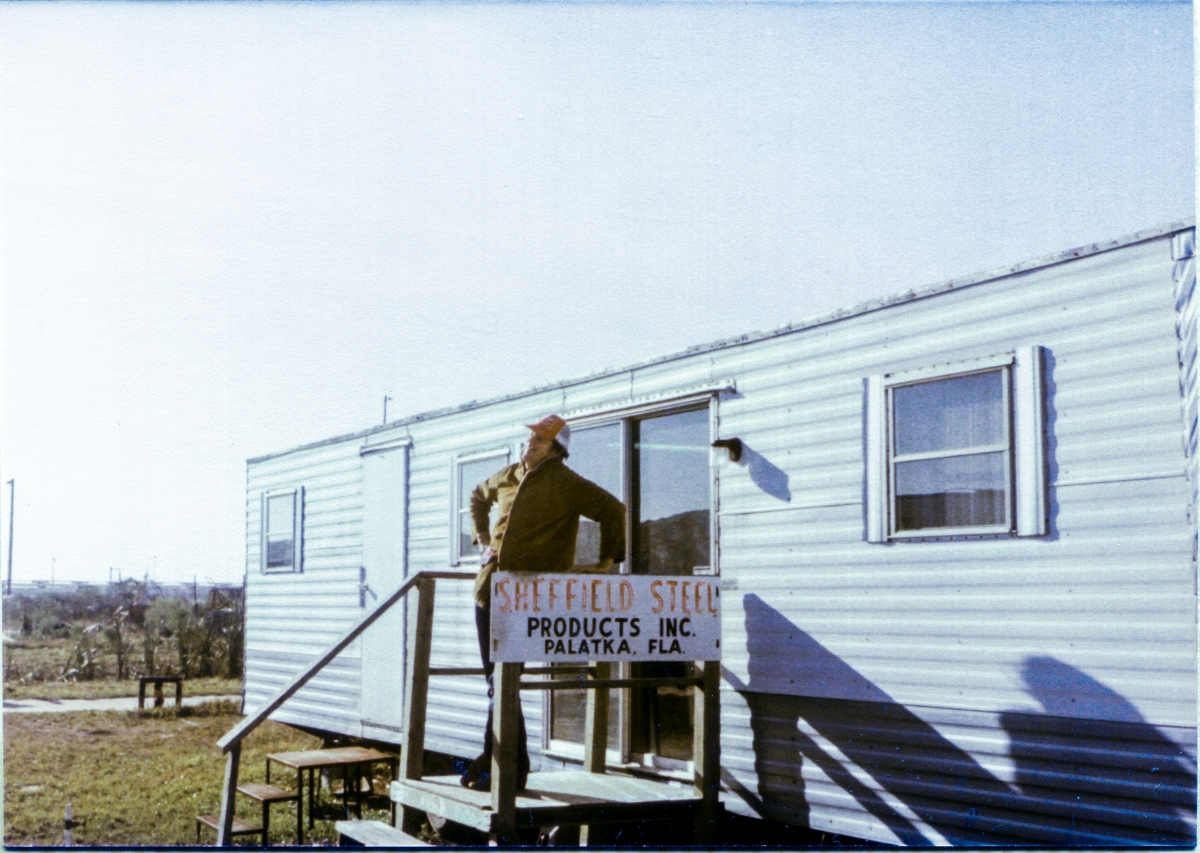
[230, 229]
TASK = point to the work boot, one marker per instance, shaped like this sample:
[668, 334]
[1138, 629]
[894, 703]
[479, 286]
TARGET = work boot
[479, 774]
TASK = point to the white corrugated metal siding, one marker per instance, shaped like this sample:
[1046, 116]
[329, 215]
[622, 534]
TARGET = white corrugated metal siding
[990, 690]
[1087, 633]
[293, 618]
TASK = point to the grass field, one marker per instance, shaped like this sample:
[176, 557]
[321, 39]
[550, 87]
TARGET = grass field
[45, 658]
[113, 689]
[138, 780]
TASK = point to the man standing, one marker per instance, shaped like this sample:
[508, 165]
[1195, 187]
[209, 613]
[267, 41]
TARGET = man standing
[539, 502]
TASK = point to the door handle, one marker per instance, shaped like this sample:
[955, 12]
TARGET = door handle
[364, 587]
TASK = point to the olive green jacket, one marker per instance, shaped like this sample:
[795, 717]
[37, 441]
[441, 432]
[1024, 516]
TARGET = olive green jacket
[538, 520]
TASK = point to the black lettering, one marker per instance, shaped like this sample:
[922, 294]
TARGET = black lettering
[608, 649]
[531, 625]
[605, 631]
[621, 620]
[558, 648]
[683, 629]
[624, 649]
[589, 632]
[545, 626]
[549, 646]
[574, 626]
[674, 647]
[560, 626]
[635, 627]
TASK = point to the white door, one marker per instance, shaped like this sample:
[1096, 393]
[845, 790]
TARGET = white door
[385, 528]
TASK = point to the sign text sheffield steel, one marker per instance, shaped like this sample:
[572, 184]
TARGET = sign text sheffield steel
[580, 617]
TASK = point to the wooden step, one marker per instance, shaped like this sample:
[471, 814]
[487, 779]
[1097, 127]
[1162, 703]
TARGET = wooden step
[266, 793]
[375, 833]
[240, 827]
[558, 797]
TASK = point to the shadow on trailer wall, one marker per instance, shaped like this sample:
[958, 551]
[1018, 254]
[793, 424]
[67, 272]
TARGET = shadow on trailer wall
[1077, 781]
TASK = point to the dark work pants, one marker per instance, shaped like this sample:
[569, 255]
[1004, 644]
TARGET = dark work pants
[483, 627]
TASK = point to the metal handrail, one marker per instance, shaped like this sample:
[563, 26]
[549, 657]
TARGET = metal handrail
[242, 729]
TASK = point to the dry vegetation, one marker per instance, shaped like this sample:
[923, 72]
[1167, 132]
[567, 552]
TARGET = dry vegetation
[94, 642]
[139, 780]
[46, 657]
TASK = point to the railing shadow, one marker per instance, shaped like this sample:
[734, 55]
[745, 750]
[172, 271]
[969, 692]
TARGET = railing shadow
[904, 772]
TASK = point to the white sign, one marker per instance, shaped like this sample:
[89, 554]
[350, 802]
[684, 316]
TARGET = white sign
[580, 617]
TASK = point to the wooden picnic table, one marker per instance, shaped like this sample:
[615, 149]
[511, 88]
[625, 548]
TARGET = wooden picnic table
[349, 758]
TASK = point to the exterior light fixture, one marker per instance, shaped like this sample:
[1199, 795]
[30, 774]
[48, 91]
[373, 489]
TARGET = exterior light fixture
[733, 445]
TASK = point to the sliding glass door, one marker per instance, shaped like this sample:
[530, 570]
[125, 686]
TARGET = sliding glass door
[659, 465]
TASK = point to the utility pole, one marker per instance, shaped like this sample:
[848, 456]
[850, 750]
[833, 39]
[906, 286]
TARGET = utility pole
[385, 402]
[12, 491]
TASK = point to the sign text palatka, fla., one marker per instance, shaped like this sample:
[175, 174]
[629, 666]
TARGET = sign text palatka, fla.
[583, 617]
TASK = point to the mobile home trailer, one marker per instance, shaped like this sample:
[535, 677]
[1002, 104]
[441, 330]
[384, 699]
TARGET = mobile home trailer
[957, 555]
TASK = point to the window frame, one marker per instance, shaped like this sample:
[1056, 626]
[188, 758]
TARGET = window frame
[624, 416]
[457, 494]
[1024, 400]
[1003, 446]
[297, 565]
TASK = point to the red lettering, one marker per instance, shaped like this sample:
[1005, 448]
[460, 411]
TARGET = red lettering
[625, 595]
[502, 591]
[654, 588]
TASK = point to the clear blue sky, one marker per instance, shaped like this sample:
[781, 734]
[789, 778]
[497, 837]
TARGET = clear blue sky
[228, 229]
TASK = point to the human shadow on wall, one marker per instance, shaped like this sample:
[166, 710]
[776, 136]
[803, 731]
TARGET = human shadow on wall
[902, 754]
[1139, 763]
[765, 474]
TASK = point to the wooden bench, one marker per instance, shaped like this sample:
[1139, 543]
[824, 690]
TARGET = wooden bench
[374, 833]
[158, 681]
[240, 827]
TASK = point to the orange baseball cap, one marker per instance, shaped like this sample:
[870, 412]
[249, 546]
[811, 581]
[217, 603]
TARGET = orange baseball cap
[554, 428]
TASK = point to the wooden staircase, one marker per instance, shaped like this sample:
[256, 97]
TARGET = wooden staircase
[589, 797]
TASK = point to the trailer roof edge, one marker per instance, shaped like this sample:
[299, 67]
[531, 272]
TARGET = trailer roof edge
[911, 295]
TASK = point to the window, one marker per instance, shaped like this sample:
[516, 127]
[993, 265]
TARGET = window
[957, 450]
[469, 472]
[282, 522]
